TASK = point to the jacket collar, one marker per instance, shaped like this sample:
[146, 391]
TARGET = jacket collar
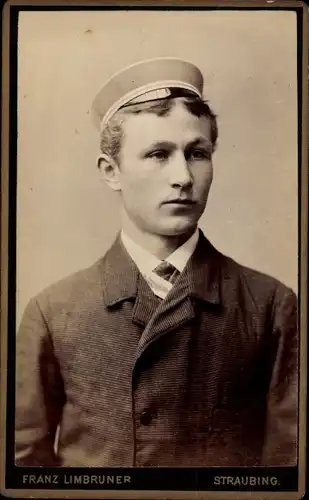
[203, 272]
[119, 274]
[200, 278]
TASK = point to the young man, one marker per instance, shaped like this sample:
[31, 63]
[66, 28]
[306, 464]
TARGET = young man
[165, 352]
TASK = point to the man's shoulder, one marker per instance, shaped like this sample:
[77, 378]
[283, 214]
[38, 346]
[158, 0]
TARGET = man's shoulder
[257, 283]
[235, 273]
[72, 288]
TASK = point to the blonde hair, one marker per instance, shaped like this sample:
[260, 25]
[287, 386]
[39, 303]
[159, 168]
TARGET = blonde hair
[112, 133]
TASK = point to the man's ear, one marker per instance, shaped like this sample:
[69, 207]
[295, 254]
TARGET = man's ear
[109, 171]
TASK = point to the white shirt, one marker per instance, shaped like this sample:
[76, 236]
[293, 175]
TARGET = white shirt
[147, 262]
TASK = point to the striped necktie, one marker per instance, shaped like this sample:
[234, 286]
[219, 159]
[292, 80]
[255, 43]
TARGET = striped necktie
[167, 271]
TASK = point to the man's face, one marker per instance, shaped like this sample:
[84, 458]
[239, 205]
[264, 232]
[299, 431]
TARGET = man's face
[165, 170]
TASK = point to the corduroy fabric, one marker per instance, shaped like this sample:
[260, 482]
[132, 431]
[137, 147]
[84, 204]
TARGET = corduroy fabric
[206, 377]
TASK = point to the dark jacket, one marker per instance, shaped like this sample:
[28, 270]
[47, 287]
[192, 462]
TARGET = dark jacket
[206, 377]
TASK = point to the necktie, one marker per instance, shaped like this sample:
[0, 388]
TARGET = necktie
[167, 271]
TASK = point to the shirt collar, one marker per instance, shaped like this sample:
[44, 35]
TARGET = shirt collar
[203, 276]
[146, 261]
[182, 254]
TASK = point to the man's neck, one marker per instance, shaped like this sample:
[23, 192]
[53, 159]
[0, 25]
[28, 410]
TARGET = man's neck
[159, 245]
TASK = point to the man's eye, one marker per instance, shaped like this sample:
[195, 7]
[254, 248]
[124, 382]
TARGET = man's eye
[159, 155]
[200, 154]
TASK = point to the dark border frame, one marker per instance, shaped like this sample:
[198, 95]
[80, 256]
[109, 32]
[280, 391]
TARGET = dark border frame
[167, 479]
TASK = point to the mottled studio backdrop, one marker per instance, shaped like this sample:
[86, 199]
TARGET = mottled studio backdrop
[67, 218]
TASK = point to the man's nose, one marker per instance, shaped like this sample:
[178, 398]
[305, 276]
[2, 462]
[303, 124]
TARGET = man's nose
[179, 171]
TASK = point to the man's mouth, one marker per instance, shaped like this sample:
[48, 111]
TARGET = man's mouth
[180, 201]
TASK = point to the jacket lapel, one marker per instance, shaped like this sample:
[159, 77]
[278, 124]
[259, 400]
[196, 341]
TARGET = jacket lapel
[200, 280]
[121, 281]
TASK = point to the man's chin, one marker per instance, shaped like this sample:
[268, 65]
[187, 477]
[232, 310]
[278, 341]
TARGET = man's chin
[179, 229]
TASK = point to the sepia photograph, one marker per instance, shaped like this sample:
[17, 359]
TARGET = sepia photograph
[157, 280]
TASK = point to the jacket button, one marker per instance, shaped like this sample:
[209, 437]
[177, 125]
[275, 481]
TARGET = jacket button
[145, 418]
